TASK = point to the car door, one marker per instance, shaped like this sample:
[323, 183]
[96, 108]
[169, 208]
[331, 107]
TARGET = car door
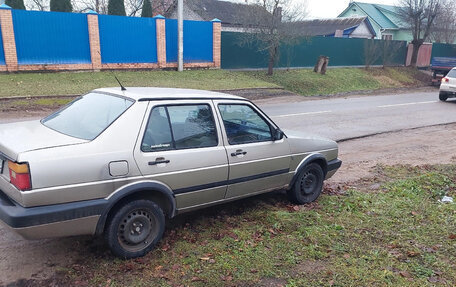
[180, 145]
[257, 162]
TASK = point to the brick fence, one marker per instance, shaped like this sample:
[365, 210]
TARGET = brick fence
[12, 61]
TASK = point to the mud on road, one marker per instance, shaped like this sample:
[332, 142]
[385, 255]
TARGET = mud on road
[22, 260]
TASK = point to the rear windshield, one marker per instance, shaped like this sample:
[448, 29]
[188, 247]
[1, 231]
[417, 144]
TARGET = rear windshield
[88, 116]
[452, 73]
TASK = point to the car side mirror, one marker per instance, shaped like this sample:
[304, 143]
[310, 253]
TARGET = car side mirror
[278, 134]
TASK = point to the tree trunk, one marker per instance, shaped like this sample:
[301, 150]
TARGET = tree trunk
[321, 65]
[416, 49]
[272, 56]
[324, 66]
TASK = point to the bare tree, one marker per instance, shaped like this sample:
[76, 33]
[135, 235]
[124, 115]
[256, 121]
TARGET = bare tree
[133, 7]
[264, 24]
[444, 30]
[40, 5]
[420, 16]
[161, 6]
[99, 6]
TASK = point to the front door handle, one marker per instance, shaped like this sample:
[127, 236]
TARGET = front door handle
[239, 152]
[159, 160]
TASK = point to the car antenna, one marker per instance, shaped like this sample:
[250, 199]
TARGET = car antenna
[122, 88]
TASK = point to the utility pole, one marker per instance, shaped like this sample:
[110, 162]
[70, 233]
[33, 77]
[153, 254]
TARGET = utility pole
[180, 35]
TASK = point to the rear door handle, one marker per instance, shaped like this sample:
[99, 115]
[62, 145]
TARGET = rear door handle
[159, 160]
[239, 152]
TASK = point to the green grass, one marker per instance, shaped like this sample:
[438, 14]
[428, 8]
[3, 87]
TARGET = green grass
[308, 83]
[399, 235]
[34, 84]
[304, 81]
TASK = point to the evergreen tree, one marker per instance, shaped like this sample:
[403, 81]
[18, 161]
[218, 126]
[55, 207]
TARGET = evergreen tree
[61, 6]
[116, 7]
[16, 4]
[146, 9]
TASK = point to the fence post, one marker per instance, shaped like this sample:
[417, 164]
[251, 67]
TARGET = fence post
[94, 39]
[216, 42]
[9, 42]
[160, 28]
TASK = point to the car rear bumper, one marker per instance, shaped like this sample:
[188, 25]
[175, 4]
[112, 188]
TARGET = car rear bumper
[76, 218]
[449, 94]
[448, 88]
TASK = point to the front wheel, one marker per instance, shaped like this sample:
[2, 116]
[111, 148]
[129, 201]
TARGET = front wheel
[308, 186]
[135, 228]
[443, 96]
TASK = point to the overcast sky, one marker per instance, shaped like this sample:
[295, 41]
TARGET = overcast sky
[327, 8]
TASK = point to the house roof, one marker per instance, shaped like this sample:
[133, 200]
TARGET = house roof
[327, 27]
[385, 16]
[228, 12]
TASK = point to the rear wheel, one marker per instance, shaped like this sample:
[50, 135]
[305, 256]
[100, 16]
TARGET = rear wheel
[135, 229]
[443, 96]
[308, 186]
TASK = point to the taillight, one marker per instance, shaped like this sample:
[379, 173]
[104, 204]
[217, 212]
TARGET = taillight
[20, 175]
[445, 80]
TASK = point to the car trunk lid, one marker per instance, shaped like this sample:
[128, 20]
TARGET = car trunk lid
[20, 137]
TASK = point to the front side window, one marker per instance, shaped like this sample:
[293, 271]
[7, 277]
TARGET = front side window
[88, 116]
[180, 127]
[244, 125]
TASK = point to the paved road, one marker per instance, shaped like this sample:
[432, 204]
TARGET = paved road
[344, 118]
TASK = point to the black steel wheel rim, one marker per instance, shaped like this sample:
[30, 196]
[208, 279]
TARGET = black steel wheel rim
[137, 230]
[309, 182]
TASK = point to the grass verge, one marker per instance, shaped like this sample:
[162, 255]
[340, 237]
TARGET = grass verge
[67, 83]
[304, 81]
[307, 83]
[396, 235]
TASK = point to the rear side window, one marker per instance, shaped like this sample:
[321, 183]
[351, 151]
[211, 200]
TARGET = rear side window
[452, 73]
[244, 125]
[179, 127]
[88, 116]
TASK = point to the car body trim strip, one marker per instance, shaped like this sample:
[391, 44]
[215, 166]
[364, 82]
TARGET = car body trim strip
[230, 181]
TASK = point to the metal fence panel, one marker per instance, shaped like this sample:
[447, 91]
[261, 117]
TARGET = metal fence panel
[127, 39]
[51, 37]
[198, 41]
[305, 51]
[2, 54]
[171, 40]
[443, 50]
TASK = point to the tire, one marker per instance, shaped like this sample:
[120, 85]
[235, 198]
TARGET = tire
[443, 96]
[135, 229]
[308, 186]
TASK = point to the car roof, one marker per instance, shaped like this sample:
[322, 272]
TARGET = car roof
[150, 94]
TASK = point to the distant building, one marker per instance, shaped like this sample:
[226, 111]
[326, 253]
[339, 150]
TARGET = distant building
[356, 27]
[235, 17]
[385, 20]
